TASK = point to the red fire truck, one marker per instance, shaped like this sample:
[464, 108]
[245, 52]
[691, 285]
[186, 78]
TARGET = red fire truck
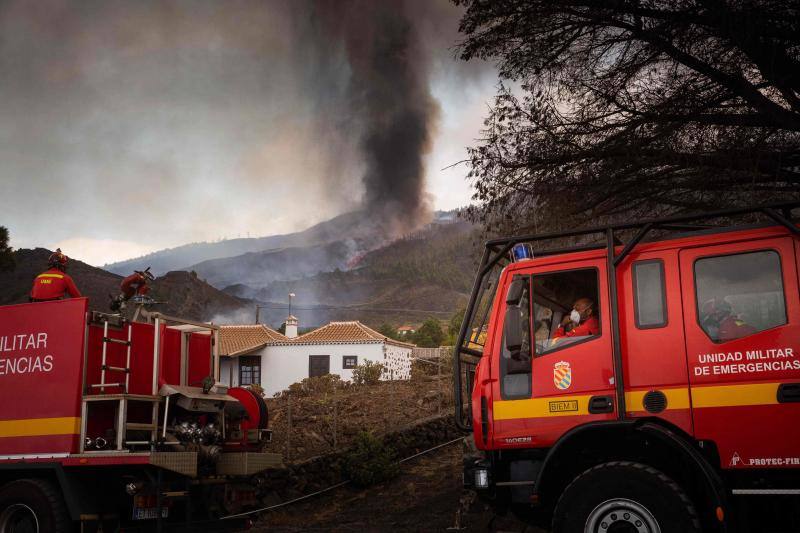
[645, 378]
[111, 425]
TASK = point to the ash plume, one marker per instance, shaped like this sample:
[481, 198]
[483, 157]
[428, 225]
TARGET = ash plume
[389, 107]
[150, 115]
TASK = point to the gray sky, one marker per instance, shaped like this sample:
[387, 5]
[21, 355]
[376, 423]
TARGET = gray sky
[126, 127]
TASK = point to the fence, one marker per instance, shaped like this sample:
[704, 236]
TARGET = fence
[442, 352]
[439, 358]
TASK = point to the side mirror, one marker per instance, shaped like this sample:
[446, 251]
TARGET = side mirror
[513, 331]
[515, 291]
[512, 328]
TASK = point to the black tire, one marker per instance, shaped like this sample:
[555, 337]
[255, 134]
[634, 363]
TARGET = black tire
[32, 505]
[624, 496]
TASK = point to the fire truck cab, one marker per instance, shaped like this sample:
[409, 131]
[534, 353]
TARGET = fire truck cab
[647, 385]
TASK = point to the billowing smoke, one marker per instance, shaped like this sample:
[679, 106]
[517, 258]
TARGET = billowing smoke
[375, 52]
[218, 119]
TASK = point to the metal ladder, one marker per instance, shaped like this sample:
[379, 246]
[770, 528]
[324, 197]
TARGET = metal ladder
[104, 365]
[123, 426]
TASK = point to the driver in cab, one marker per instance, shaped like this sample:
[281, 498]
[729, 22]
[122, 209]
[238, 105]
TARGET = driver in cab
[581, 322]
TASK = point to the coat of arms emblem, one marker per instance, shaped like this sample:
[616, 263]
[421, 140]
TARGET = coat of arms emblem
[562, 375]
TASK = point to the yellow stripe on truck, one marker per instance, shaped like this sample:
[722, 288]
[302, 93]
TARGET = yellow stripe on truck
[735, 395]
[541, 407]
[38, 427]
[676, 399]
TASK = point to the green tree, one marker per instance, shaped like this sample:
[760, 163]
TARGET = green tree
[429, 334]
[454, 327]
[6, 254]
[388, 330]
[625, 109]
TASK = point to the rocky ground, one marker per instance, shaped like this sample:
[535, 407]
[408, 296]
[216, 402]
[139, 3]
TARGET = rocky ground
[311, 423]
[426, 496]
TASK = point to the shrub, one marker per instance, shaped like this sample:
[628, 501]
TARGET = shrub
[368, 373]
[258, 389]
[326, 384]
[370, 460]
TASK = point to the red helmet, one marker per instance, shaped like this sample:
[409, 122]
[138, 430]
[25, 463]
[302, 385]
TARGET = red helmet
[58, 260]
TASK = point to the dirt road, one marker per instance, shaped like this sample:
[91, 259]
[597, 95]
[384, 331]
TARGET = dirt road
[427, 496]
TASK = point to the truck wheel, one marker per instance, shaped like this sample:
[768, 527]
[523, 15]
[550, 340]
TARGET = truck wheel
[32, 506]
[624, 497]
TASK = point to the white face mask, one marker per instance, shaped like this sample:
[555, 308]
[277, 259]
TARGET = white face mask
[575, 316]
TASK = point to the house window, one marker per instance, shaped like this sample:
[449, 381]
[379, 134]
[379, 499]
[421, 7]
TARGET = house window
[739, 295]
[319, 365]
[349, 361]
[249, 370]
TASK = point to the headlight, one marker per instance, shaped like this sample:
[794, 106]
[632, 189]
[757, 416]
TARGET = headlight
[481, 478]
[134, 488]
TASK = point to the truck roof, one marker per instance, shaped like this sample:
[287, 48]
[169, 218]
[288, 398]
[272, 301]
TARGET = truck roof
[663, 242]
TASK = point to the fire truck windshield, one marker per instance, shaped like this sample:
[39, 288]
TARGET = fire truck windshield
[472, 339]
[478, 315]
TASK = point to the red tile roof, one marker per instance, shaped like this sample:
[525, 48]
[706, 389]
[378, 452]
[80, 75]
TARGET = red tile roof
[345, 333]
[240, 340]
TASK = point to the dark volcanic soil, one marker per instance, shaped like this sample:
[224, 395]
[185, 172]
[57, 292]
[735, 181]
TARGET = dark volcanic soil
[427, 496]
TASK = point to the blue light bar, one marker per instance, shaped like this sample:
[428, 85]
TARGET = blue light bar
[522, 252]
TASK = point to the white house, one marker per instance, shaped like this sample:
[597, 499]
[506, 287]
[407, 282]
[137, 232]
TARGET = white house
[258, 354]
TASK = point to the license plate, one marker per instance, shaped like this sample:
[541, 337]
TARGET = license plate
[149, 513]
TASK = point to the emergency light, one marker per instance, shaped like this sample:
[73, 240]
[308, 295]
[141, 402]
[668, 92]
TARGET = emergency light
[522, 252]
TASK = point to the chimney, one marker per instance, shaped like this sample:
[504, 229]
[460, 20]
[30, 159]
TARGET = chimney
[291, 326]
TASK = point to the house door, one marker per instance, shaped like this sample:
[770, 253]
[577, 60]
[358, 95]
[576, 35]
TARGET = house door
[319, 365]
[741, 314]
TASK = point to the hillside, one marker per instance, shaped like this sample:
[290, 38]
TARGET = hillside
[354, 225]
[427, 274]
[409, 280]
[93, 282]
[190, 297]
[187, 296]
[257, 269]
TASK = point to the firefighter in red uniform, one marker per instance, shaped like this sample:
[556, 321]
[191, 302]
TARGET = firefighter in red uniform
[54, 283]
[721, 323]
[133, 285]
[581, 322]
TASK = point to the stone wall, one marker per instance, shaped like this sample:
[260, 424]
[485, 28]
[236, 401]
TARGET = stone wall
[397, 362]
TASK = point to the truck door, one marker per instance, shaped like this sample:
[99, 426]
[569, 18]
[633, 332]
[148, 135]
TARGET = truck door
[742, 322]
[564, 377]
[652, 338]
